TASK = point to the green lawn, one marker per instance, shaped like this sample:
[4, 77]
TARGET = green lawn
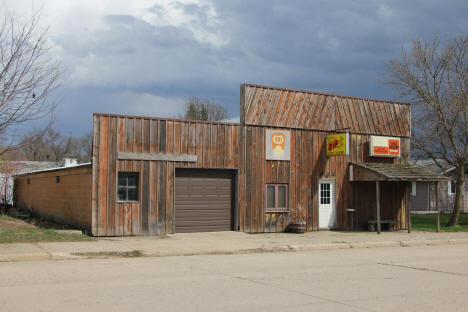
[428, 223]
[17, 230]
[39, 235]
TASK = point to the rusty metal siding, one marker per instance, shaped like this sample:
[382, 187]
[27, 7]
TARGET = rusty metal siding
[285, 108]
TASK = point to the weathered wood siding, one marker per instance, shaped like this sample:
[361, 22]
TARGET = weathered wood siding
[310, 116]
[160, 145]
[213, 144]
[308, 164]
[278, 107]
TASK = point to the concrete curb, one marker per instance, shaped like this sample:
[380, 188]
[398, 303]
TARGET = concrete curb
[263, 249]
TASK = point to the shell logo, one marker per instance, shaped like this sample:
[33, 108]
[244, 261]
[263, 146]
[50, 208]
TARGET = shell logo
[277, 141]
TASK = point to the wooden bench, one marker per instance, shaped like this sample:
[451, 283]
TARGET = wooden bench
[371, 224]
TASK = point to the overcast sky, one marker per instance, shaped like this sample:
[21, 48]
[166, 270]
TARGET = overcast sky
[147, 57]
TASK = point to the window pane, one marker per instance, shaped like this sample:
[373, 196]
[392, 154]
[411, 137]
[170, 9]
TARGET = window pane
[122, 193]
[453, 186]
[270, 196]
[122, 180]
[132, 179]
[132, 194]
[282, 196]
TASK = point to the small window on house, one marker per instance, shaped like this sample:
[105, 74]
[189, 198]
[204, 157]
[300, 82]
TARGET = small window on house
[57, 179]
[127, 189]
[452, 185]
[277, 197]
[413, 189]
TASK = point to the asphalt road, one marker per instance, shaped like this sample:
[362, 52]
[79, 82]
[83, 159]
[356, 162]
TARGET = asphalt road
[377, 279]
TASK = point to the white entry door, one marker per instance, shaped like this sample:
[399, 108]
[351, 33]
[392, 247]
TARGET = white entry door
[327, 211]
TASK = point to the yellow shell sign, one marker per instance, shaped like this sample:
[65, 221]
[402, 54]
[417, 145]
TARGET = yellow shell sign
[278, 145]
[337, 144]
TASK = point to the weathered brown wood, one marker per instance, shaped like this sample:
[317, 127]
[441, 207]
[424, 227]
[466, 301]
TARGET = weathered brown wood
[193, 144]
[103, 175]
[408, 187]
[377, 196]
[157, 156]
[112, 167]
[95, 177]
[170, 198]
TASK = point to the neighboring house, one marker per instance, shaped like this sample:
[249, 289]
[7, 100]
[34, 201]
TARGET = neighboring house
[10, 168]
[423, 194]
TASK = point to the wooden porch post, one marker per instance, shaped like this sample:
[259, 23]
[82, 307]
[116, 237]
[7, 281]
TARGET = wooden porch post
[377, 196]
[437, 205]
[408, 212]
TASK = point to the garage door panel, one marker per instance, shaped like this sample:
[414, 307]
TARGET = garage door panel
[203, 200]
[201, 216]
[200, 228]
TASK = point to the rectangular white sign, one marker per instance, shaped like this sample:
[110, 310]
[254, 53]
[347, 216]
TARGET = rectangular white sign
[278, 144]
[380, 146]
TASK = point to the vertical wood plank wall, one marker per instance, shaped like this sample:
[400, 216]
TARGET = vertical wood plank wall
[308, 164]
[214, 144]
[241, 147]
[228, 146]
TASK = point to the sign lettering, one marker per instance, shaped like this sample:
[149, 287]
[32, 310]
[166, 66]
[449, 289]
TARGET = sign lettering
[337, 144]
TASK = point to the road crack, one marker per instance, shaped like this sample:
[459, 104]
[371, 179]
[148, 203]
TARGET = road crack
[421, 269]
[295, 291]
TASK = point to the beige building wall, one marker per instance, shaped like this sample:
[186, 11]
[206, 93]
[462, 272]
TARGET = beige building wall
[67, 200]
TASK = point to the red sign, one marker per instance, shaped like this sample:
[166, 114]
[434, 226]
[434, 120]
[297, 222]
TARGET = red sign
[393, 147]
[381, 146]
[381, 150]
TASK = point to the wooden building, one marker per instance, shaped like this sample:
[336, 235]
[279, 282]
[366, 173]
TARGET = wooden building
[152, 176]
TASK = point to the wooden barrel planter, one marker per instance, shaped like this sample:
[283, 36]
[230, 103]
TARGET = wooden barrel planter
[297, 227]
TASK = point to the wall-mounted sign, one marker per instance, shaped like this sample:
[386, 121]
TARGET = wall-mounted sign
[381, 146]
[278, 145]
[338, 144]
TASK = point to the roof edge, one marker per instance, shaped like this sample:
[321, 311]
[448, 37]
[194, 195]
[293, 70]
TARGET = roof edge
[166, 119]
[326, 94]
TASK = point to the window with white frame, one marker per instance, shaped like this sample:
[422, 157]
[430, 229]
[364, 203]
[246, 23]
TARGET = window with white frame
[452, 187]
[325, 193]
[413, 189]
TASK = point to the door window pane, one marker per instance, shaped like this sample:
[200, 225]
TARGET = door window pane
[325, 198]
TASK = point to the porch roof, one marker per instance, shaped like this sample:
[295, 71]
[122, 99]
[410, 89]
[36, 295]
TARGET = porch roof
[392, 172]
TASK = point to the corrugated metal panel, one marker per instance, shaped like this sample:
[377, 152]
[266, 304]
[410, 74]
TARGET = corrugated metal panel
[277, 107]
[203, 200]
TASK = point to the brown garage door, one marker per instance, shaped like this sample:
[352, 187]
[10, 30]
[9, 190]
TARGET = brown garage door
[203, 200]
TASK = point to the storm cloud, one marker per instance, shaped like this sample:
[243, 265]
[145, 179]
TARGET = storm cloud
[147, 57]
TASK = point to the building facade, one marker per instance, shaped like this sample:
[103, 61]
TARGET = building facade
[153, 176]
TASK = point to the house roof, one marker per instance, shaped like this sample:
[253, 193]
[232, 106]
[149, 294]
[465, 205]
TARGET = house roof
[392, 172]
[300, 109]
[26, 166]
[56, 168]
[432, 166]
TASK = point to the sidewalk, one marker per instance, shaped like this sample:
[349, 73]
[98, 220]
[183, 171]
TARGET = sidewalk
[221, 243]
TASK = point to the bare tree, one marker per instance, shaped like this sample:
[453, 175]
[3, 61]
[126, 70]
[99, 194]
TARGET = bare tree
[53, 146]
[433, 76]
[27, 76]
[197, 109]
